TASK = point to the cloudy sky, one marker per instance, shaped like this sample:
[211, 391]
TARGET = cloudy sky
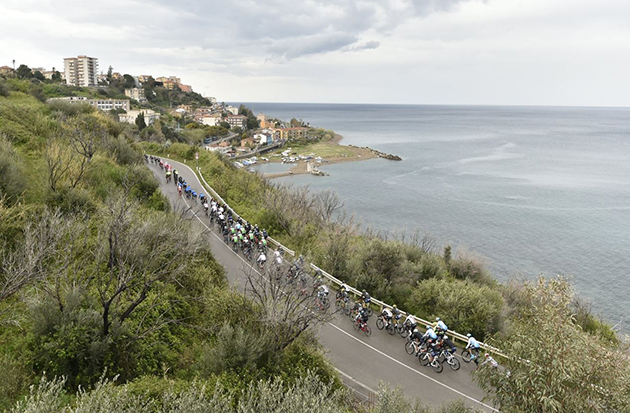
[531, 52]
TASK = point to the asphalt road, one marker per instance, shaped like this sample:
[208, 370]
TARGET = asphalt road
[363, 362]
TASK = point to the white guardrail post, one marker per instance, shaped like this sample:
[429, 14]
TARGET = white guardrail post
[338, 282]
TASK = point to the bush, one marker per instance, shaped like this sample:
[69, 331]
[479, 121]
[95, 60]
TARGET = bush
[62, 109]
[71, 201]
[464, 306]
[13, 182]
[4, 90]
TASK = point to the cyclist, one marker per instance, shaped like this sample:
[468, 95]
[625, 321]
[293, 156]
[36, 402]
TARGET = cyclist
[362, 317]
[473, 347]
[322, 293]
[431, 339]
[448, 343]
[179, 189]
[261, 260]
[410, 323]
[278, 256]
[396, 313]
[194, 196]
[205, 207]
[175, 175]
[234, 242]
[365, 297]
[439, 327]
[387, 316]
[417, 337]
[491, 361]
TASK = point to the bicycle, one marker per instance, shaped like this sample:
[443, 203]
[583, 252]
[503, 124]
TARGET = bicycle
[382, 323]
[450, 359]
[323, 303]
[358, 325]
[426, 359]
[468, 356]
[412, 346]
[366, 306]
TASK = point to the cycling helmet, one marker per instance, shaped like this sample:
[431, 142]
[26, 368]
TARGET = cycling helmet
[445, 337]
[468, 335]
[487, 355]
[437, 318]
[394, 306]
[428, 327]
[364, 291]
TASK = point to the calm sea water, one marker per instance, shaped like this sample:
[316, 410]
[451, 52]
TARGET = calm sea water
[531, 189]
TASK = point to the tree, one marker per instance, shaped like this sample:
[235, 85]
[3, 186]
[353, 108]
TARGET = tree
[24, 72]
[42, 239]
[39, 76]
[110, 74]
[140, 121]
[129, 81]
[554, 366]
[56, 76]
[286, 311]
[138, 260]
[224, 125]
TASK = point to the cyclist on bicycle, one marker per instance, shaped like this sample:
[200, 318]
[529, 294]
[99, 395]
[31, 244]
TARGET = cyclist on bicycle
[431, 339]
[448, 343]
[473, 347]
[396, 313]
[387, 316]
[322, 293]
[365, 297]
[410, 323]
[362, 318]
[262, 259]
[491, 361]
[439, 327]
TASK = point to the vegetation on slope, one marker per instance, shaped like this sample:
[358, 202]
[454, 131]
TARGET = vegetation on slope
[98, 278]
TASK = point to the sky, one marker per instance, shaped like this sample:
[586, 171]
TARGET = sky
[495, 52]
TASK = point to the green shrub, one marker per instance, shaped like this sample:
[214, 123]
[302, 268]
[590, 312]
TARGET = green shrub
[464, 306]
[71, 201]
[13, 182]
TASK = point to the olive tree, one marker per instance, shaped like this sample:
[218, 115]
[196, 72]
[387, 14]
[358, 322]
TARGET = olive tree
[554, 366]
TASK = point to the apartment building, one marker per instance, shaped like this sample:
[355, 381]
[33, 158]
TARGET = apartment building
[237, 120]
[100, 104]
[150, 116]
[211, 120]
[81, 70]
[136, 93]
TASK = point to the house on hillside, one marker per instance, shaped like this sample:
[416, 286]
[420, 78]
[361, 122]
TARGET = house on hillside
[150, 116]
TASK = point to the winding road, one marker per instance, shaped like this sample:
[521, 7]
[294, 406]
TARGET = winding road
[363, 362]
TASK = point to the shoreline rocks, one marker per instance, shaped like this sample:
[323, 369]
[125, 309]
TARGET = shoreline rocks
[380, 154]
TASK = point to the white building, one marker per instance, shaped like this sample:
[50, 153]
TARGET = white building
[81, 70]
[211, 120]
[231, 109]
[263, 139]
[100, 104]
[136, 93]
[237, 121]
[150, 116]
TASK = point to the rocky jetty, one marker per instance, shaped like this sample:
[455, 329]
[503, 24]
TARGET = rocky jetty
[380, 154]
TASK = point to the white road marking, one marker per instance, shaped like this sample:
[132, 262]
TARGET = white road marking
[446, 386]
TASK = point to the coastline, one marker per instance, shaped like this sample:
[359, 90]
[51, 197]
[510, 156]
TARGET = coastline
[340, 154]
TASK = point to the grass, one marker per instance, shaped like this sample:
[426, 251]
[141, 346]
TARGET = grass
[325, 150]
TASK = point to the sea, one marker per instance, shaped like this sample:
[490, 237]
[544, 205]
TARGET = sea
[529, 190]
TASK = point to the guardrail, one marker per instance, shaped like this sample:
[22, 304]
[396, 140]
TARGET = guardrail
[454, 334]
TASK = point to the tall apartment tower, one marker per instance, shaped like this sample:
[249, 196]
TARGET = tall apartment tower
[81, 70]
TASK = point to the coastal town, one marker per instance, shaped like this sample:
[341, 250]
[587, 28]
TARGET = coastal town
[165, 104]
